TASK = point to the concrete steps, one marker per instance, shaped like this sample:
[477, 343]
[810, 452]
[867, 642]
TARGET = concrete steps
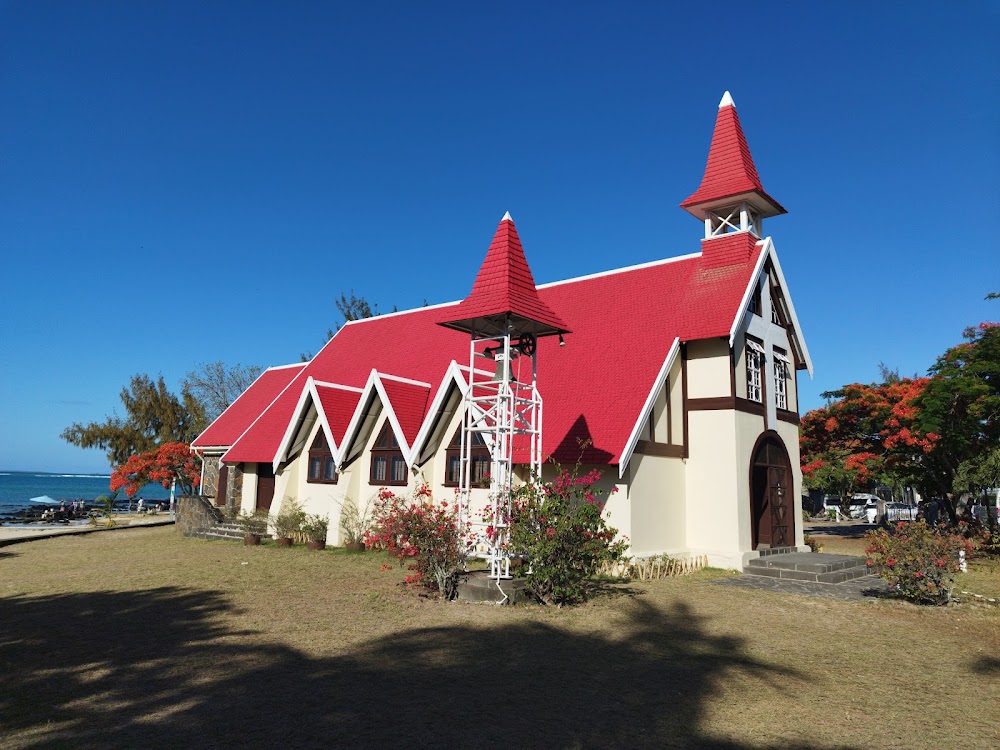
[816, 567]
[224, 531]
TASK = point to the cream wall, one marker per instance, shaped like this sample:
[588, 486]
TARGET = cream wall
[708, 368]
[657, 502]
[713, 471]
[248, 501]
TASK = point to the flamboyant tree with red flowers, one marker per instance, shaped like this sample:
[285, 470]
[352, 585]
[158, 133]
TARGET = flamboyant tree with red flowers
[169, 462]
[866, 435]
[934, 433]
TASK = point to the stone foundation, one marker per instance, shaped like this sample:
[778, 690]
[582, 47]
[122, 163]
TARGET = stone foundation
[194, 515]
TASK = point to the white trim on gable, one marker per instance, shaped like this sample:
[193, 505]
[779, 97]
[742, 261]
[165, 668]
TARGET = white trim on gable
[797, 338]
[374, 387]
[310, 391]
[626, 269]
[259, 416]
[661, 378]
[452, 375]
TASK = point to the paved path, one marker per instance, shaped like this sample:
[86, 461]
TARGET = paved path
[860, 589]
[17, 534]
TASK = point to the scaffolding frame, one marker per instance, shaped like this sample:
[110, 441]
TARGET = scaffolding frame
[506, 409]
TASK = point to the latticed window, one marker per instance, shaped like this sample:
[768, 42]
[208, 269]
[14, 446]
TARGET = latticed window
[780, 381]
[755, 361]
[479, 459]
[388, 465]
[322, 467]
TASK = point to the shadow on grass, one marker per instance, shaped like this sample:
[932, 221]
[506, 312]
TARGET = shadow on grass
[160, 669]
[856, 530]
[986, 665]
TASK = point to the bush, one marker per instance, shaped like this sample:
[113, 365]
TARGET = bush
[560, 529]
[315, 527]
[253, 523]
[289, 520]
[420, 530]
[916, 560]
[813, 543]
[355, 520]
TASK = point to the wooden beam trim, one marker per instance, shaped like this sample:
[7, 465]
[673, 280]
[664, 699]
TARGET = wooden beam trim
[785, 415]
[649, 448]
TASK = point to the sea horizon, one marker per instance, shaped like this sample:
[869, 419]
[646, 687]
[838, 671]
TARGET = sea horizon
[18, 488]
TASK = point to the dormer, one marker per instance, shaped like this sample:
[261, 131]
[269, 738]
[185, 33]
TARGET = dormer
[730, 198]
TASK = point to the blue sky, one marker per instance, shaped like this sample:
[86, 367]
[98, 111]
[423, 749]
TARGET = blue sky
[185, 182]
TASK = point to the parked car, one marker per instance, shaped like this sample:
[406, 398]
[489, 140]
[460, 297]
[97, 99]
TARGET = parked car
[899, 512]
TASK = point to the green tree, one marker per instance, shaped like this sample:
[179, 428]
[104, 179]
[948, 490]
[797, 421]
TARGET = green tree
[153, 416]
[961, 404]
[216, 385]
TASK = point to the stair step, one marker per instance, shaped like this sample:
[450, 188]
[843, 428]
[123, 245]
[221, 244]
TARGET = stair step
[809, 566]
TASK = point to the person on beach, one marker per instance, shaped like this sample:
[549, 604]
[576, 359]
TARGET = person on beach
[138, 506]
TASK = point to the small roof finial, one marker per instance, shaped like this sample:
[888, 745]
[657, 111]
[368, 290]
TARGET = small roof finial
[506, 216]
[727, 101]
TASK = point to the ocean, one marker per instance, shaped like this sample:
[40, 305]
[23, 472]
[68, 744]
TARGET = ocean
[18, 487]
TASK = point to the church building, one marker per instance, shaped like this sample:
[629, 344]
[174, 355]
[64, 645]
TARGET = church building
[677, 379]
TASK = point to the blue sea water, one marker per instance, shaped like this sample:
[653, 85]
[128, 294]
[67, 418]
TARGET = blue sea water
[18, 487]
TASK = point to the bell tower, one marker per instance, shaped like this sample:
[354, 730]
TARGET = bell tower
[504, 317]
[731, 198]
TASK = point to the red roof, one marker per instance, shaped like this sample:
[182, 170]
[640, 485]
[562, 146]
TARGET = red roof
[594, 388]
[338, 405]
[225, 430]
[409, 403]
[504, 286]
[730, 170]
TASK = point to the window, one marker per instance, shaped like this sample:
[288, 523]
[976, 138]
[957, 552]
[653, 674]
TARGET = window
[755, 361]
[322, 467]
[479, 458]
[756, 305]
[388, 465]
[780, 380]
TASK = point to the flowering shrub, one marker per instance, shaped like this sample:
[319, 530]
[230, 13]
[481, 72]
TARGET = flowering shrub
[420, 530]
[165, 464]
[560, 529]
[813, 543]
[917, 560]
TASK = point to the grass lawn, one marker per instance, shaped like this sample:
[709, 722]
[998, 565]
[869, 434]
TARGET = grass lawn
[143, 639]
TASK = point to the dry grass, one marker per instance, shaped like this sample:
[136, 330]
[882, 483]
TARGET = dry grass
[144, 639]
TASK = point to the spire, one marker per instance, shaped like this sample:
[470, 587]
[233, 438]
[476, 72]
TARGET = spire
[504, 293]
[730, 174]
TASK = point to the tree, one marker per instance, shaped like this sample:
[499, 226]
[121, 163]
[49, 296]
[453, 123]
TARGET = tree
[154, 416]
[166, 464]
[216, 385]
[866, 435]
[962, 404]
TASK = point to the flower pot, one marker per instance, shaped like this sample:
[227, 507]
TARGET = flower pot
[251, 539]
[356, 546]
[284, 541]
[315, 545]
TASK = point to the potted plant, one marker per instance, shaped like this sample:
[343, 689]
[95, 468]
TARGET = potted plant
[355, 521]
[288, 522]
[315, 528]
[253, 525]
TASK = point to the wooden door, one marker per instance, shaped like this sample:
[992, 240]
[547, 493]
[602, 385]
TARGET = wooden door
[222, 486]
[265, 486]
[772, 520]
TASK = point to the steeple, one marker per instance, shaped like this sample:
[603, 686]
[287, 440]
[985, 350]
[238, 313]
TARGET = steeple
[503, 298]
[730, 197]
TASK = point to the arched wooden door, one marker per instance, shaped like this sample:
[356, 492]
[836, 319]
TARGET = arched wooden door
[772, 516]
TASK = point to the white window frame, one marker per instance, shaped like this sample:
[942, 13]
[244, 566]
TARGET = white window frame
[755, 366]
[781, 381]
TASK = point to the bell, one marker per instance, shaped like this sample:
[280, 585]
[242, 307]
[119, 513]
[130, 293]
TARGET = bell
[503, 368]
